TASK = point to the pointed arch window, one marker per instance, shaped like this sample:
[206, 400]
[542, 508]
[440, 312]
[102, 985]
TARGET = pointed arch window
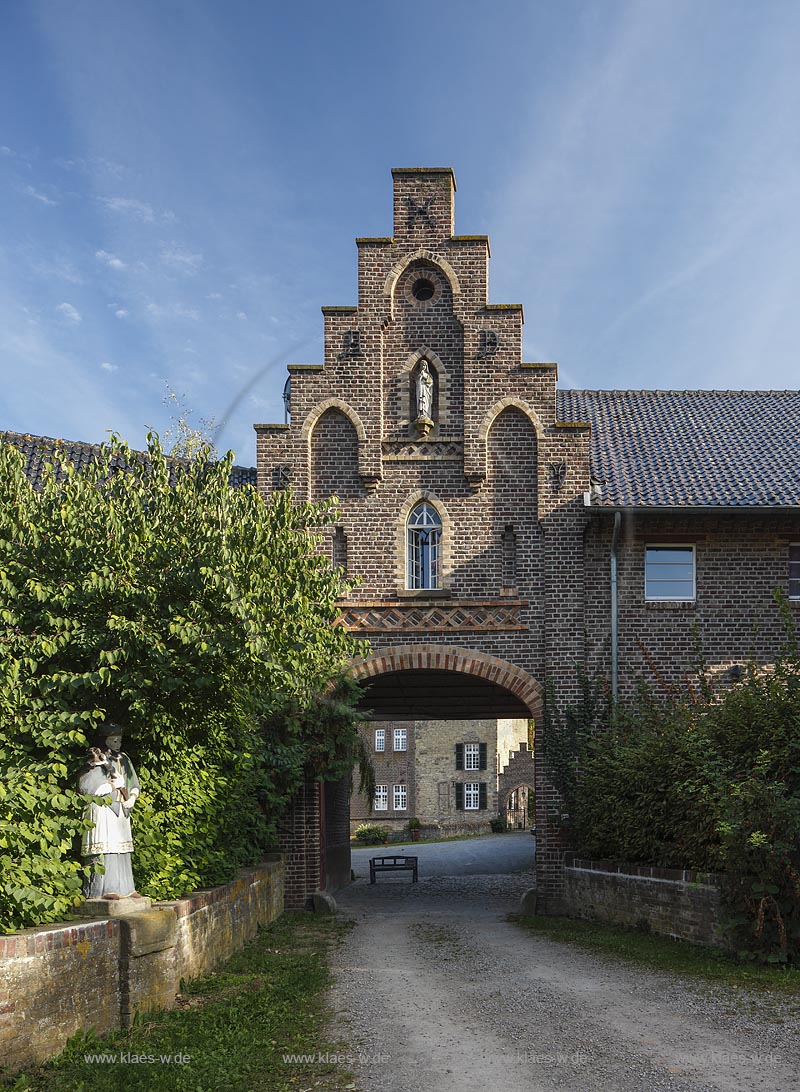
[424, 538]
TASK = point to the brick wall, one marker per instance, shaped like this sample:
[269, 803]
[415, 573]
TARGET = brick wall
[670, 902]
[299, 842]
[740, 560]
[509, 536]
[58, 979]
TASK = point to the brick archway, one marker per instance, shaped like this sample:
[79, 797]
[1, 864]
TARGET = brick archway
[465, 661]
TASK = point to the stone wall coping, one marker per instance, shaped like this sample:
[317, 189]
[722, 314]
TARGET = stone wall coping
[427, 593]
[374, 240]
[206, 896]
[469, 240]
[645, 872]
[504, 307]
[272, 428]
[69, 934]
[539, 365]
[311, 367]
[424, 170]
[59, 934]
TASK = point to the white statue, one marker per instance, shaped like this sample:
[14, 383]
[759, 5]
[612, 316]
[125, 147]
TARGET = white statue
[424, 391]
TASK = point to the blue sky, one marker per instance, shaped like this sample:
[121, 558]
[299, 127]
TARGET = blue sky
[181, 183]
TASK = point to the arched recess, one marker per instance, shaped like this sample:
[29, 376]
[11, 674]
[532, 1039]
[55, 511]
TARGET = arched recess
[489, 418]
[419, 255]
[465, 661]
[333, 458]
[404, 385]
[446, 546]
[310, 423]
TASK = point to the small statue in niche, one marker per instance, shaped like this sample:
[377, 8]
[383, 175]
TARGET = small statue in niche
[424, 386]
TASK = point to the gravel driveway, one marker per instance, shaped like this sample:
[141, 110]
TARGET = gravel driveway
[437, 991]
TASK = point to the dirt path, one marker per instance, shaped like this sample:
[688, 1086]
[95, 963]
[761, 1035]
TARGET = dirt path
[434, 987]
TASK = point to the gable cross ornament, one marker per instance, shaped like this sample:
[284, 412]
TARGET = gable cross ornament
[420, 211]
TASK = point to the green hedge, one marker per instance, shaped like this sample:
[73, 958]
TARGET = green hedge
[199, 616]
[705, 780]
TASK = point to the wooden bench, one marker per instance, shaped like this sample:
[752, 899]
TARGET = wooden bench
[393, 864]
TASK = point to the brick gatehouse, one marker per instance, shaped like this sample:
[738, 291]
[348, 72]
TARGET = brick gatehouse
[482, 511]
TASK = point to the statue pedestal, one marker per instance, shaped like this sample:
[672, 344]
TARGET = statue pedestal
[423, 425]
[113, 908]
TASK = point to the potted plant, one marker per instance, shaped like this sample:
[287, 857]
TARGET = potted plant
[415, 827]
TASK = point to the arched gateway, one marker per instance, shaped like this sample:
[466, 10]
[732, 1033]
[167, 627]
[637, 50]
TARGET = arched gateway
[460, 528]
[438, 680]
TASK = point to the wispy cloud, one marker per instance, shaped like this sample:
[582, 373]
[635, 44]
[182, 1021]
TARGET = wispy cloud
[92, 165]
[69, 313]
[110, 259]
[55, 268]
[108, 367]
[129, 206]
[173, 311]
[37, 195]
[121, 312]
[180, 259]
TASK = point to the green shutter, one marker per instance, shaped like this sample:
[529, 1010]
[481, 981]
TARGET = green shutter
[482, 795]
[459, 797]
[459, 756]
[483, 756]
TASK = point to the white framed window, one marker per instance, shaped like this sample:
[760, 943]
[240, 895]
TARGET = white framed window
[424, 540]
[472, 756]
[471, 796]
[669, 573]
[794, 570]
[400, 798]
[400, 739]
[380, 739]
[381, 798]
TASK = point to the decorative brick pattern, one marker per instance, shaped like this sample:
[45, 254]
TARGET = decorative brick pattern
[400, 618]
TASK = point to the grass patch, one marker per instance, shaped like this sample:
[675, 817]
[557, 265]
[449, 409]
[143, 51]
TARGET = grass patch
[235, 1026]
[663, 954]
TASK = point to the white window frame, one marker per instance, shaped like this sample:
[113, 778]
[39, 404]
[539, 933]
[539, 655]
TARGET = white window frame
[380, 739]
[794, 580]
[472, 793]
[672, 598]
[381, 802]
[400, 737]
[424, 548]
[400, 797]
[472, 756]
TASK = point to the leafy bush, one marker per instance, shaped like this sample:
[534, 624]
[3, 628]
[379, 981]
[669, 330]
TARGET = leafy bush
[371, 835]
[702, 780]
[198, 615]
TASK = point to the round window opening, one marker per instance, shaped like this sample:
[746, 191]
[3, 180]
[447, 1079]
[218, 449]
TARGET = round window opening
[423, 289]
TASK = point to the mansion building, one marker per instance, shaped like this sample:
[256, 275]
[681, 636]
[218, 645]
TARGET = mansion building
[504, 537]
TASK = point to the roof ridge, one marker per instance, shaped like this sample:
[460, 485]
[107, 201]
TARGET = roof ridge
[665, 390]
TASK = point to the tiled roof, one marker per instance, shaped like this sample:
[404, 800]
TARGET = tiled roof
[691, 448]
[39, 450]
